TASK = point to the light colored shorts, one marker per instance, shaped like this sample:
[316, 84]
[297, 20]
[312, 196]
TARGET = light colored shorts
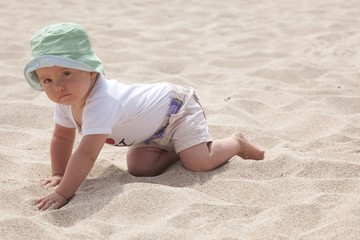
[184, 126]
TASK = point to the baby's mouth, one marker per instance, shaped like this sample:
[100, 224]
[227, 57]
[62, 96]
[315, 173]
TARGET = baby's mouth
[63, 96]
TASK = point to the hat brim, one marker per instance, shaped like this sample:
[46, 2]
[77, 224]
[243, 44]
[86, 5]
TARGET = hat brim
[51, 61]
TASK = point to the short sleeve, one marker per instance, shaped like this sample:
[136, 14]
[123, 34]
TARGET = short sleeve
[62, 116]
[100, 115]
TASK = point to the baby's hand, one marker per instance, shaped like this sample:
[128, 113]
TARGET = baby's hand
[52, 181]
[54, 200]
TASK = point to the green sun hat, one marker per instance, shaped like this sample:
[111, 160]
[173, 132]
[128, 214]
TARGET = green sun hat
[63, 45]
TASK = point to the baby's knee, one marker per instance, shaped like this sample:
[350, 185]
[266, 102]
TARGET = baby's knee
[140, 172]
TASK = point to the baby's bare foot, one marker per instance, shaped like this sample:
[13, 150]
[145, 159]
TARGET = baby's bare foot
[247, 149]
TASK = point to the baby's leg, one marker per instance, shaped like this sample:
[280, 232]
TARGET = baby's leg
[149, 161]
[207, 156]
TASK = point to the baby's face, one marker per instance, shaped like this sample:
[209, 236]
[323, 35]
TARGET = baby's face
[66, 85]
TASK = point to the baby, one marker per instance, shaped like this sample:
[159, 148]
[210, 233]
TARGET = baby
[160, 123]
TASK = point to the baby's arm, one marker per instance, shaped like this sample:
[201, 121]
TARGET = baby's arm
[60, 151]
[78, 167]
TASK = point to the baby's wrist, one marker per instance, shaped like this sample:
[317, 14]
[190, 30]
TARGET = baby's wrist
[57, 175]
[61, 195]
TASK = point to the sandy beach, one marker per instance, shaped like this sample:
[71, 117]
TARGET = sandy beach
[284, 73]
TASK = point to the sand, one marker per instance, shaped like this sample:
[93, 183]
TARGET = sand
[285, 73]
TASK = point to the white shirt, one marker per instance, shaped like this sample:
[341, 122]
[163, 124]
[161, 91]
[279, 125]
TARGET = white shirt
[128, 113]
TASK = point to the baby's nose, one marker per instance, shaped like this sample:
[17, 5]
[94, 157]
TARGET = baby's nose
[59, 85]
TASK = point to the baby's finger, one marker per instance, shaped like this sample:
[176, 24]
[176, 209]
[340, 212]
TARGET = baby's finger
[44, 182]
[56, 206]
[46, 205]
[41, 204]
[54, 183]
[38, 200]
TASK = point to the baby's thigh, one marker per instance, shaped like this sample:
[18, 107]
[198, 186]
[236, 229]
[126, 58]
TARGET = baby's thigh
[196, 158]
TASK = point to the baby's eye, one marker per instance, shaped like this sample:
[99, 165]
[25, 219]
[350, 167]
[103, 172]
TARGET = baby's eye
[66, 74]
[47, 81]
